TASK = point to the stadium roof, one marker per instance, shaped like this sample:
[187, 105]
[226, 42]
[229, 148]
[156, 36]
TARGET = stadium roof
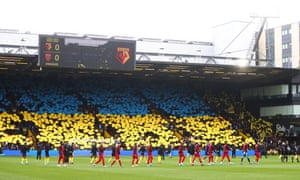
[209, 73]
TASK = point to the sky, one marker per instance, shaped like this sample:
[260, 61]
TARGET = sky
[165, 19]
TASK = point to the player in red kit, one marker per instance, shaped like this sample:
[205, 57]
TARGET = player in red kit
[101, 155]
[181, 154]
[257, 152]
[197, 151]
[117, 151]
[135, 157]
[210, 153]
[149, 154]
[61, 156]
[225, 153]
[245, 149]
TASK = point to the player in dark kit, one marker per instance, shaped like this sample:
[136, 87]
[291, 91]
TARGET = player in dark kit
[67, 152]
[47, 155]
[294, 152]
[170, 150]
[39, 148]
[160, 153]
[117, 150]
[206, 150]
[233, 151]
[284, 151]
[24, 149]
[93, 153]
[112, 153]
[142, 150]
[181, 155]
[71, 153]
[135, 156]
[101, 155]
[191, 151]
[218, 148]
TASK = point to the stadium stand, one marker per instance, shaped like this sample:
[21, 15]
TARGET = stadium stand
[235, 111]
[83, 109]
[140, 129]
[209, 129]
[10, 132]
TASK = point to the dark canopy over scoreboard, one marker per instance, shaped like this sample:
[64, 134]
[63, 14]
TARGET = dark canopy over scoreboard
[86, 53]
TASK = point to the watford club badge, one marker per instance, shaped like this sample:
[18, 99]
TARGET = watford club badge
[123, 55]
[48, 46]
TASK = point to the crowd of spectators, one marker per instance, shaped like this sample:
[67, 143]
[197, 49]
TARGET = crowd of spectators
[81, 109]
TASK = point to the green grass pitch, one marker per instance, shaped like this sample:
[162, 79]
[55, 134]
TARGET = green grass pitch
[271, 168]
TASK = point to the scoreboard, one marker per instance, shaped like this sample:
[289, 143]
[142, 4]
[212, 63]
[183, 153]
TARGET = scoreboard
[86, 53]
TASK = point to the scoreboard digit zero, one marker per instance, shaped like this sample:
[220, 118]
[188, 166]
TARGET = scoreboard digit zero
[83, 53]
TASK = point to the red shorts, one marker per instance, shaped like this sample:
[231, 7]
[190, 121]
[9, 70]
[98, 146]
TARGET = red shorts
[135, 156]
[117, 156]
